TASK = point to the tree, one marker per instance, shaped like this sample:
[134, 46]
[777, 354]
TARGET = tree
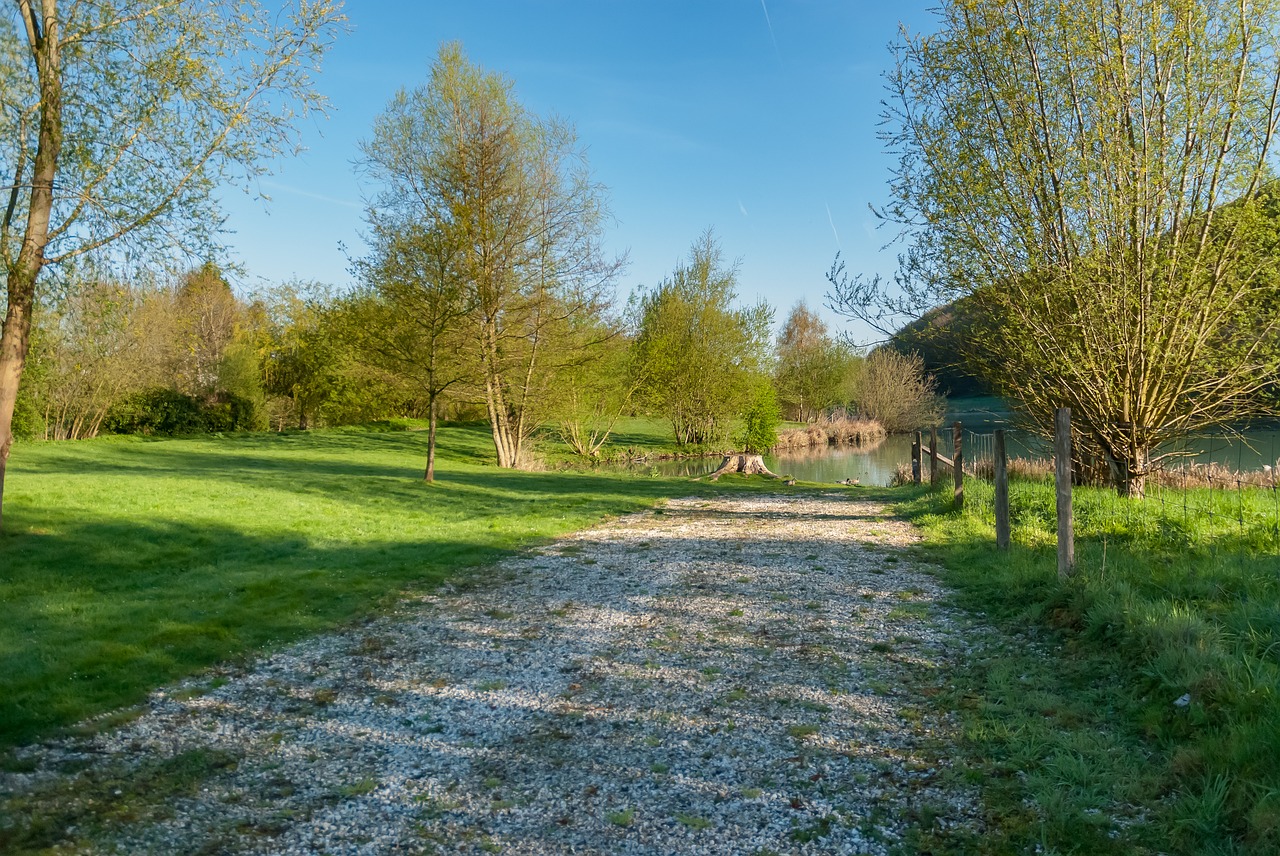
[207, 317]
[508, 197]
[697, 356]
[87, 350]
[590, 398]
[893, 389]
[1095, 177]
[814, 371]
[117, 119]
[301, 354]
[411, 322]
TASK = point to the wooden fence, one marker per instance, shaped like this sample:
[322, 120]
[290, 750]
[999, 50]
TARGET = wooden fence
[1000, 467]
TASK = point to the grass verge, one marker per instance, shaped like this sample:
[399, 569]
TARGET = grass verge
[1135, 709]
[128, 563]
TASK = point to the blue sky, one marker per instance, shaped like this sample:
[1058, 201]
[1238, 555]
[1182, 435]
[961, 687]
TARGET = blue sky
[757, 119]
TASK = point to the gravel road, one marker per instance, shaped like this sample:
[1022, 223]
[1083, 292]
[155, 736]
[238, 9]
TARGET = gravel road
[737, 675]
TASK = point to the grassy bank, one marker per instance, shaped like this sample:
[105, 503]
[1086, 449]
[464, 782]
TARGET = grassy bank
[1138, 708]
[127, 563]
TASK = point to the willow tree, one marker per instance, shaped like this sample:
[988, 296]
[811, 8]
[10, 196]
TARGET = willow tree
[118, 118]
[509, 197]
[1095, 176]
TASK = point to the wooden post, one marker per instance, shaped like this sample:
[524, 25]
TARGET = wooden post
[1002, 492]
[1062, 473]
[915, 459]
[933, 458]
[957, 465]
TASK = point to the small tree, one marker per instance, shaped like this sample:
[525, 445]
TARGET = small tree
[760, 420]
[893, 389]
[412, 321]
[814, 371]
[590, 397]
[697, 357]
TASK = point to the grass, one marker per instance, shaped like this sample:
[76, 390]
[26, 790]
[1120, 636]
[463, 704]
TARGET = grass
[1072, 726]
[129, 563]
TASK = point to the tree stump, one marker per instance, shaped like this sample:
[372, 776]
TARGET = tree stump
[751, 465]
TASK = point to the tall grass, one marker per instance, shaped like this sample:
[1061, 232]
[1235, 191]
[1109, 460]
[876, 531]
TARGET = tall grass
[835, 430]
[1170, 634]
[127, 563]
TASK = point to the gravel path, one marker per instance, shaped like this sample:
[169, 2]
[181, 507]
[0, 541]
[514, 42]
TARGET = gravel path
[725, 676]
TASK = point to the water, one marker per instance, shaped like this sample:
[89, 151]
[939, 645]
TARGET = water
[831, 464]
[1248, 450]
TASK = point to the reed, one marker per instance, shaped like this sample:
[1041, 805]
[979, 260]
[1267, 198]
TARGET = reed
[832, 431]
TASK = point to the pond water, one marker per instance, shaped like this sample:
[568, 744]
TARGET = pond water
[870, 466]
[1249, 450]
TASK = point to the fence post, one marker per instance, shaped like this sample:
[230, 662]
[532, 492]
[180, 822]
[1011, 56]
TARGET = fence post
[915, 459]
[1002, 491]
[1062, 475]
[957, 466]
[933, 458]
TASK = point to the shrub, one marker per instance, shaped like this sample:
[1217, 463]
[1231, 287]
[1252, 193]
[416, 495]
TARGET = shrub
[760, 421]
[165, 412]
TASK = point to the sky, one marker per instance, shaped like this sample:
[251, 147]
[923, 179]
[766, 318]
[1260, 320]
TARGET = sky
[756, 118]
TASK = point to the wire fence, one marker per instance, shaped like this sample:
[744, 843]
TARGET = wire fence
[1219, 491]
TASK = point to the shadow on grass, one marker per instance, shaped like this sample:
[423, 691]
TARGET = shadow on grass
[95, 617]
[130, 564]
[783, 716]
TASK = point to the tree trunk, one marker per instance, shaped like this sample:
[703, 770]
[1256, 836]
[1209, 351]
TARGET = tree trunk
[430, 475]
[1130, 473]
[16, 339]
[14, 344]
[746, 464]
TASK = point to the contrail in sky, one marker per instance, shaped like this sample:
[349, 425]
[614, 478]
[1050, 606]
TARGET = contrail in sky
[833, 226]
[769, 24]
[297, 191]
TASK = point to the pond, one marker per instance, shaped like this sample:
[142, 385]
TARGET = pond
[1248, 450]
[869, 466]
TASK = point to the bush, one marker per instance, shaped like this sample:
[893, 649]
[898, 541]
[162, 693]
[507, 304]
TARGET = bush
[760, 421]
[165, 412]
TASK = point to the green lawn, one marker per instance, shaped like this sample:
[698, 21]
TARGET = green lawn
[127, 563]
[1152, 694]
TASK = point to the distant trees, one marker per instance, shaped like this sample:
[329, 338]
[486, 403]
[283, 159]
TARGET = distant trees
[814, 371]
[699, 358]
[893, 389]
[303, 351]
[501, 203]
[1094, 177]
[87, 355]
[118, 120]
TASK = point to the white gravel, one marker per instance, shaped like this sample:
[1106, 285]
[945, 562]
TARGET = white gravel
[724, 676]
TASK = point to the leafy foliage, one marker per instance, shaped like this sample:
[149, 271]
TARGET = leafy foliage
[697, 358]
[503, 220]
[894, 390]
[814, 371]
[1094, 178]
